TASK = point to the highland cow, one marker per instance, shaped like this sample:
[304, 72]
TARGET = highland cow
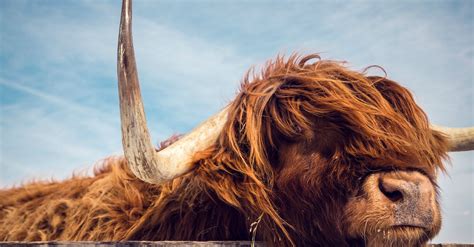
[310, 153]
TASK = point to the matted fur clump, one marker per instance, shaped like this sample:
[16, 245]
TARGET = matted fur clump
[250, 185]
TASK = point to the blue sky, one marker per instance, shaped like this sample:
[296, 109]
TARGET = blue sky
[58, 92]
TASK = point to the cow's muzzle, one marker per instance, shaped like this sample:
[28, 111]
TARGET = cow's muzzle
[409, 196]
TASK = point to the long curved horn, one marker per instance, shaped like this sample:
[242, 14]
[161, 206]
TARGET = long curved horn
[460, 139]
[147, 164]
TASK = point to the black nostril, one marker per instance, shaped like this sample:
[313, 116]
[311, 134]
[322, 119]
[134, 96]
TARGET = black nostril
[390, 192]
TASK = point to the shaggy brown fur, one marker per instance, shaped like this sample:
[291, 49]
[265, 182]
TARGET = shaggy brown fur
[299, 141]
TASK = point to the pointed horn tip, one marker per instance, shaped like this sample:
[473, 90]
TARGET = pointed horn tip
[460, 139]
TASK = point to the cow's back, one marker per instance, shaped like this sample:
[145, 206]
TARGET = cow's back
[102, 207]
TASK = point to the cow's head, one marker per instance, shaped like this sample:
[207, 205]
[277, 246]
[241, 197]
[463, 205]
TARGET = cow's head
[357, 158]
[347, 158]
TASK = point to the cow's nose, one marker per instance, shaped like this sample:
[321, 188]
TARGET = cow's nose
[411, 195]
[397, 189]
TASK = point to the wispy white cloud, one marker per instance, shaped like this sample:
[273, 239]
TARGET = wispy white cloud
[58, 101]
[47, 135]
